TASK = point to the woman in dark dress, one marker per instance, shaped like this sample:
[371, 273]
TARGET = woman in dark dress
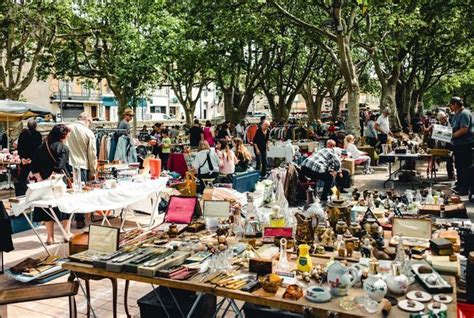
[51, 157]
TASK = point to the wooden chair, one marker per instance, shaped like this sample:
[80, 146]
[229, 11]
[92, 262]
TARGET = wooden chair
[48, 291]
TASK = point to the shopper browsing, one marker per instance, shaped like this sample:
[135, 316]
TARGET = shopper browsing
[51, 157]
[28, 142]
[82, 152]
[165, 148]
[206, 163]
[462, 140]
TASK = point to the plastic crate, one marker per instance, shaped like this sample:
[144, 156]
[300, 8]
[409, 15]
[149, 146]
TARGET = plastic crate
[150, 307]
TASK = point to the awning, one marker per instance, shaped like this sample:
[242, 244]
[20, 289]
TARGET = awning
[15, 110]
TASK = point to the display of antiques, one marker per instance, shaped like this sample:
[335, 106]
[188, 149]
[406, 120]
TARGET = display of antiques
[369, 241]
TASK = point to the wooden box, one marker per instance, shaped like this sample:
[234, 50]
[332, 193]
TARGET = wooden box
[413, 232]
[349, 164]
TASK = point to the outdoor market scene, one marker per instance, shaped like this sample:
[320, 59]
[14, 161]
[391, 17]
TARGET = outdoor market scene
[246, 158]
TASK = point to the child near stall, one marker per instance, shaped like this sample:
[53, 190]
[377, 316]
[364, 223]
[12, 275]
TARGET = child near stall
[165, 148]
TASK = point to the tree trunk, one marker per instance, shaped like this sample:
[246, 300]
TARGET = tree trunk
[235, 107]
[122, 103]
[313, 106]
[352, 120]
[280, 113]
[388, 100]
[349, 72]
[336, 107]
[9, 94]
[189, 115]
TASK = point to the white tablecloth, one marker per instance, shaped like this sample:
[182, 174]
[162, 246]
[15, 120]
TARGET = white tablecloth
[285, 151]
[134, 195]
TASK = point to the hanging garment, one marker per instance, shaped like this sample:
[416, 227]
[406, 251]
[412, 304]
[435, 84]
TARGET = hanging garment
[177, 163]
[125, 150]
[6, 243]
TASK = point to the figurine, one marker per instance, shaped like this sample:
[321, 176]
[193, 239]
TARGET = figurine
[349, 248]
[327, 239]
[366, 248]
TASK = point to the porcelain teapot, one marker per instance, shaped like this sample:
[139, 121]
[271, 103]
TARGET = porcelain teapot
[341, 278]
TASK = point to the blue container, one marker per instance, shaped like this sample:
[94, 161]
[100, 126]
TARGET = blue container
[245, 182]
[20, 224]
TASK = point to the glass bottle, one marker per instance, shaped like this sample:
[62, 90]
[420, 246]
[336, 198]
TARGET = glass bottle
[283, 264]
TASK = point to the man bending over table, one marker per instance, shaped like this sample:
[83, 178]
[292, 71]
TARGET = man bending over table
[323, 165]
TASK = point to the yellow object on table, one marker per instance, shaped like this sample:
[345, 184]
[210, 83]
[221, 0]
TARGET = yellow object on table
[303, 262]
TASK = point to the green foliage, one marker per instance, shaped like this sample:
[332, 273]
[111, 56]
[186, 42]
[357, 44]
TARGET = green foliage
[124, 43]
[461, 84]
[27, 31]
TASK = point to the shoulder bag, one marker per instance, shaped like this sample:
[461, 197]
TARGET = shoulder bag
[67, 178]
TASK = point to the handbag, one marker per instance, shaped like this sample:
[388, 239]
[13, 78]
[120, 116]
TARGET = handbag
[209, 163]
[67, 178]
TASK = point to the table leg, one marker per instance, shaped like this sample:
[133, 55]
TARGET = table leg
[389, 174]
[235, 308]
[154, 210]
[89, 304]
[218, 307]
[226, 310]
[88, 297]
[161, 302]
[175, 302]
[114, 296]
[61, 228]
[125, 298]
[196, 302]
[3, 311]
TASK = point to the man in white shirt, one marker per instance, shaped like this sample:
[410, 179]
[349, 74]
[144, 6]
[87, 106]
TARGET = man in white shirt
[82, 152]
[240, 130]
[382, 126]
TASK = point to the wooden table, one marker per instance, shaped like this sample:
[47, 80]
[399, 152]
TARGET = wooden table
[260, 297]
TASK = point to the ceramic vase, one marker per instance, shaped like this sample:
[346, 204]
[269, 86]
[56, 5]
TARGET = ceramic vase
[375, 287]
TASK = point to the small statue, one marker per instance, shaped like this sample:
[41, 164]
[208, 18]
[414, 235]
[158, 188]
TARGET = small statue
[327, 239]
[349, 248]
[366, 248]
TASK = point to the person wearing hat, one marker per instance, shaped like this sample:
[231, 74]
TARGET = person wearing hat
[127, 118]
[461, 140]
[82, 153]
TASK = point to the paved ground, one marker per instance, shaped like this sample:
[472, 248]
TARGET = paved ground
[27, 245]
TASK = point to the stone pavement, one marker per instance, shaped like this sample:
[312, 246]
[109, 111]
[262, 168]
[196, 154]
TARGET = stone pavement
[27, 245]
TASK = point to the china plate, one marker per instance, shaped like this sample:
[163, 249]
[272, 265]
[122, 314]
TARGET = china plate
[443, 301]
[403, 304]
[424, 297]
